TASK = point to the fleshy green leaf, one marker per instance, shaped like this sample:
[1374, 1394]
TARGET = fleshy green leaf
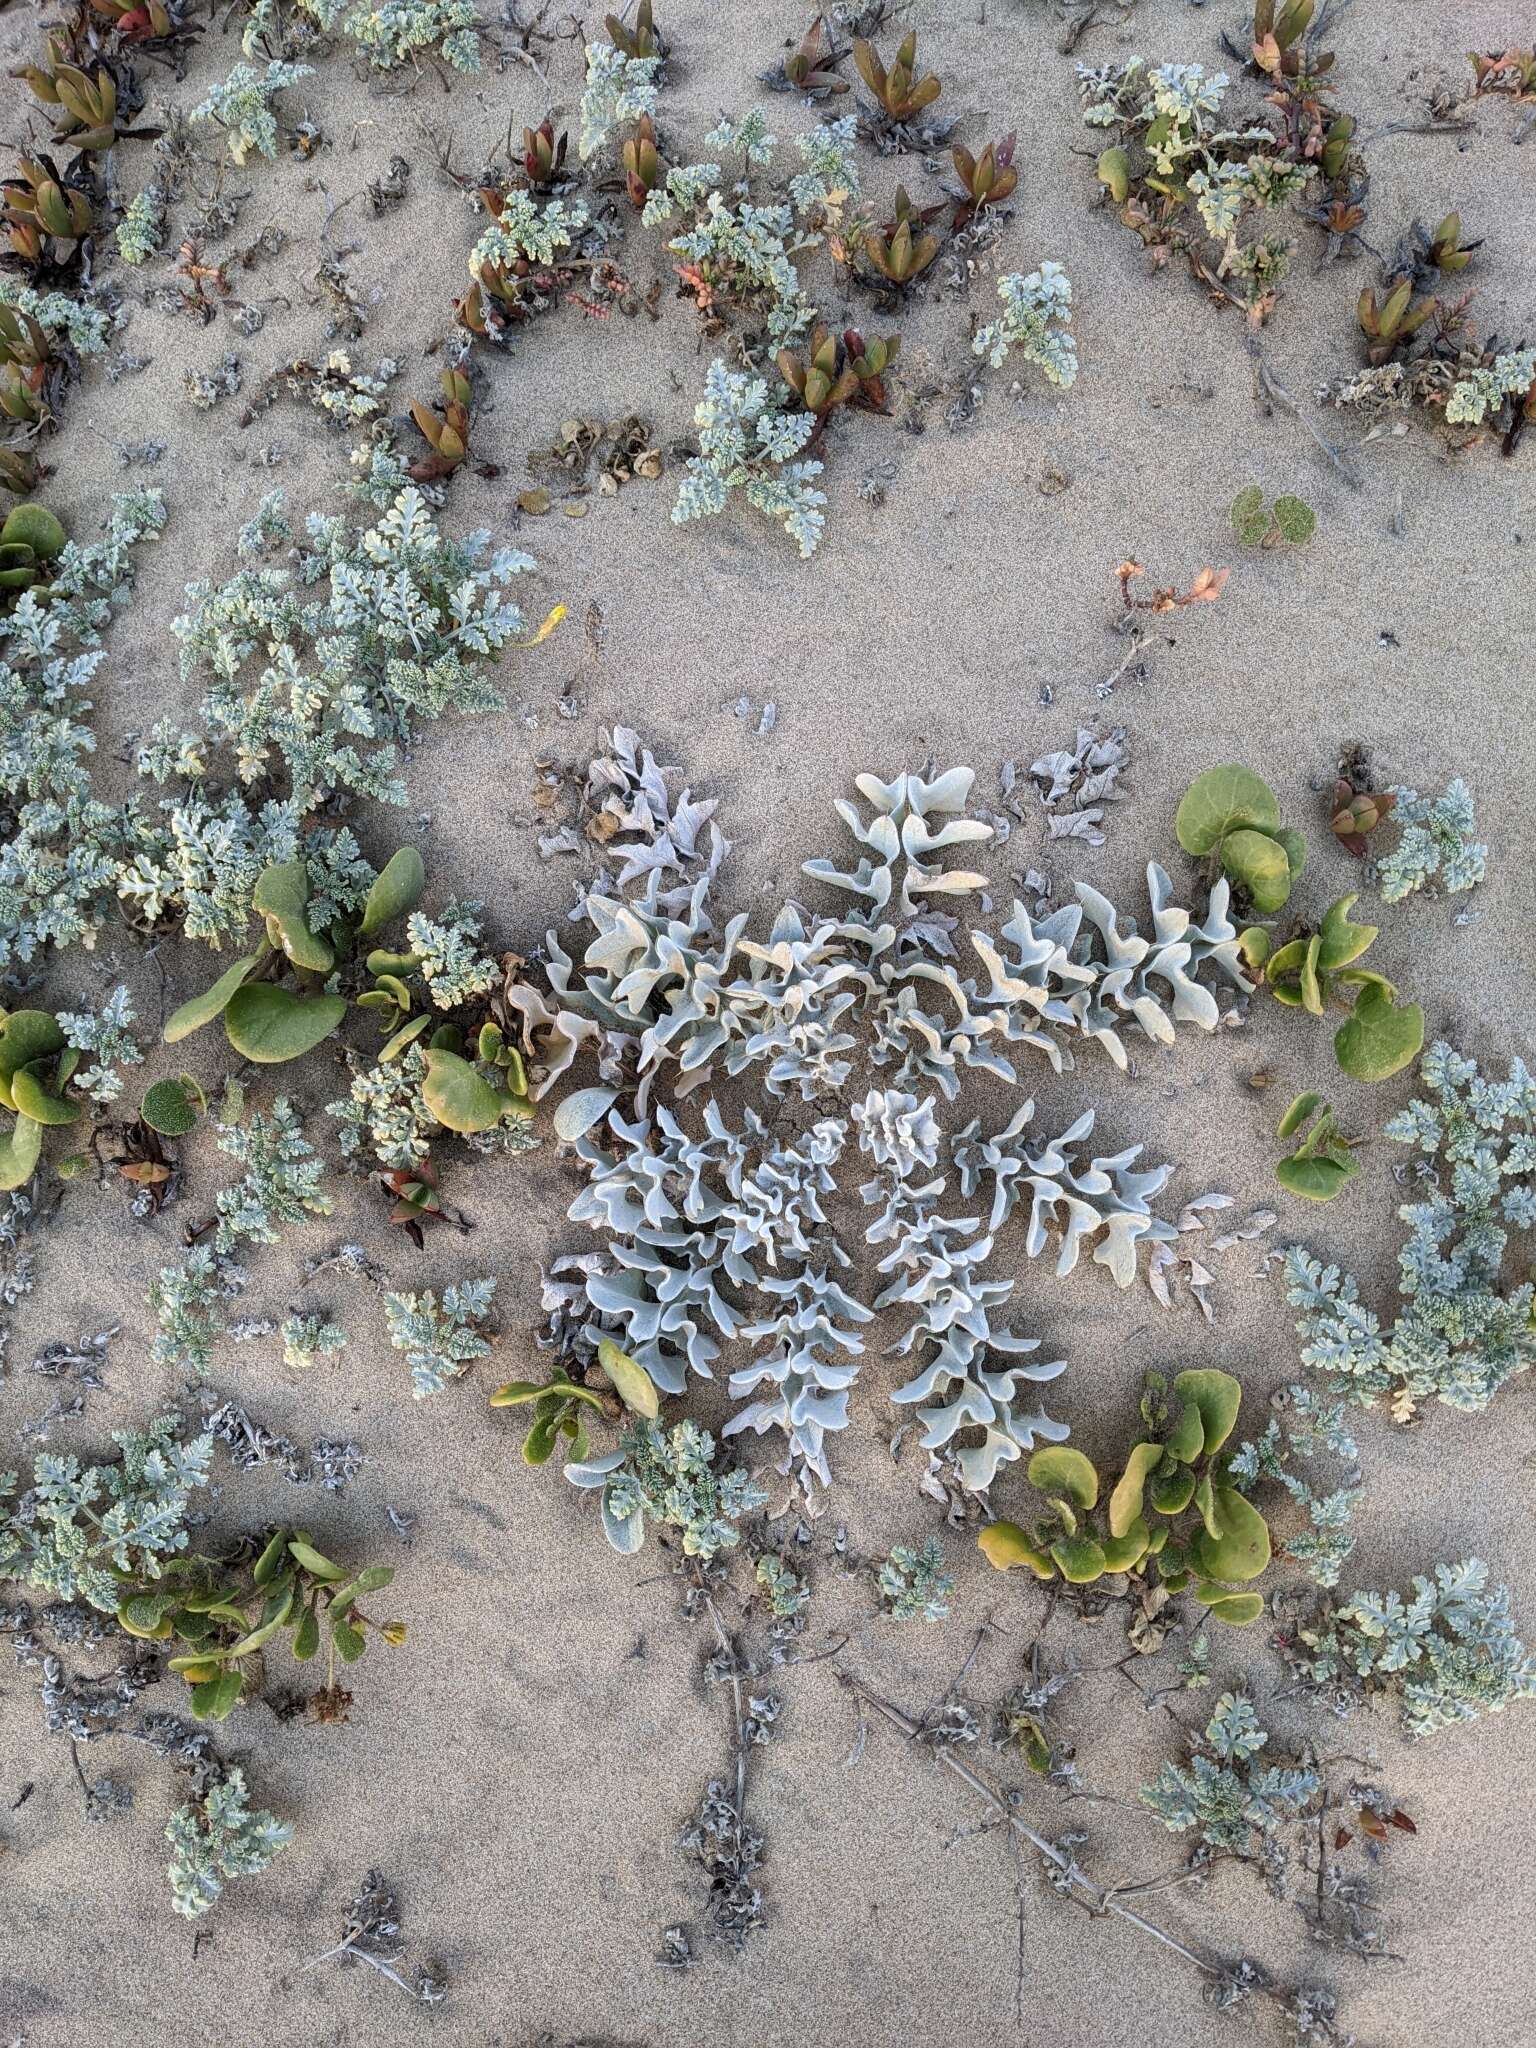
[1379, 1037]
[26, 1036]
[1258, 864]
[1315, 1180]
[1004, 1544]
[170, 1107]
[1224, 800]
[1079, 1559]
[631, 1381]
[457, 1096]
[269, 1024]
[1218, 1397]
[1125, 1501]
[397, 891]
[20, 1150]
[1241, 1551]
[1058, 1469]
[281, 896]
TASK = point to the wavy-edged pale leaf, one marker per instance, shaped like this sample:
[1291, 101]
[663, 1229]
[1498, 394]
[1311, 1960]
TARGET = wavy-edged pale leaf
[579, 1111]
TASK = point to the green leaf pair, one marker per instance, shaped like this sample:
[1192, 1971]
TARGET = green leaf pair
[1259, 524]
[36, 1063]
[1380, 1036]
[1323, 1161]
[1232, 815]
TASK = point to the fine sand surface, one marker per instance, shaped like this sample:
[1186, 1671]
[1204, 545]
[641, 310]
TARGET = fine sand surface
[521, 1768]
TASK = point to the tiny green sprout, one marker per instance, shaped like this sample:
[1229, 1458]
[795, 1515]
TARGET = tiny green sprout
[1259, 524]
[1322, 1162]
[1389, 321]
[1232, 816]
[643, 40]
[901, 250]
[227, 1612]
[1176, 1471]
[899, 93]
[1380, 1036]
[173, 1106]
[1444, 250]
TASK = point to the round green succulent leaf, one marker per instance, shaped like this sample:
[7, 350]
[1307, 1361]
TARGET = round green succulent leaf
[26, 1036]
[1124, 1553]
[460, 1098]
[30, 1093]
[20, 1150]
[1186, 1439]
[1342, 941]
[1223, 800]
[268, 1024]
[1125, 1501]
[1079, 1559]
[1004, 1544]
[1379, 1037]
[1241, 1551]
[170, 1107]
[1058, 1469]
[1218, 1396]
[281, 896]
[1172, 1492]
[34, 527]
[1257, 863]
[1316, 1180]
[1236, 1609]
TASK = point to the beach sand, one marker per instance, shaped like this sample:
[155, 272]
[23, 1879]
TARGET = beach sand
[520, 1769]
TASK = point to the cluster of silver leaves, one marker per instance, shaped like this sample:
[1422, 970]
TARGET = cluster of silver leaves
[720, 1234]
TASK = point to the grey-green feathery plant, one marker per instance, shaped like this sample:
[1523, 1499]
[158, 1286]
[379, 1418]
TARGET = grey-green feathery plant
[440, 1341]
[405, 626]
[1305, 1424]
[282, 1180]
[1462, 1333]
[668, 1476]
[746, 443]
[85, 327]
[395, 32]
[218, 1836]
[619, 89]
[1436, 849]
[78, 1526]
[1036, 311]
[914, 1585]
[1226, 1792]
[1483, 391]
[1447, 1653]
[141, 231]
[107, 1037]
[308, 1339]
[189, 1302]
[383, 1112]
[244, 106]
[786, 1590]
[63, 845]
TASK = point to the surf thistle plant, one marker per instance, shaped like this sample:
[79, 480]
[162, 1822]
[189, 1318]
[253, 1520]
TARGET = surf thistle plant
[1306, 1423]
[1447, 1653]
[1461, 1335]
[1035, 311]
[913, 1583]
[619, 89]
[395, 32]
[1175, 1470]
[746, 444]
[1228, 1790]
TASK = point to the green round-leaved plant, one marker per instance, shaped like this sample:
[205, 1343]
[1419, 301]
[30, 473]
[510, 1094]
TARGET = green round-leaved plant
[1058, 1469]
[1224, 800]
[268, 1024]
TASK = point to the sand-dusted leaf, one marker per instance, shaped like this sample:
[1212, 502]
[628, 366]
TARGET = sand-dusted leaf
[306, 1637]
[1218, 1397]
[1315, 1180]
[350, 1642]
[1079, 1559]
[281, 896]
[202, 1009]
[1004, 1544]
[1250, 516]
[1171, 1492]
[1296, 519]
[1114, 168]
[1125, 1501]
[1257, 862]
[631, 1382]
[396, 892]
[580, 1111]
[1236, 1609]
[217, 1698]
[1379, 1037]
[173, 1106]
[268, 1024]
[20, 1150]
[1058, 1469]
[1223, 800]
[1186, 1440]
[460, 1098]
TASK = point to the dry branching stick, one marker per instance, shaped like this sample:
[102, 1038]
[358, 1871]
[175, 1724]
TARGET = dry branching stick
[1065, 1873]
